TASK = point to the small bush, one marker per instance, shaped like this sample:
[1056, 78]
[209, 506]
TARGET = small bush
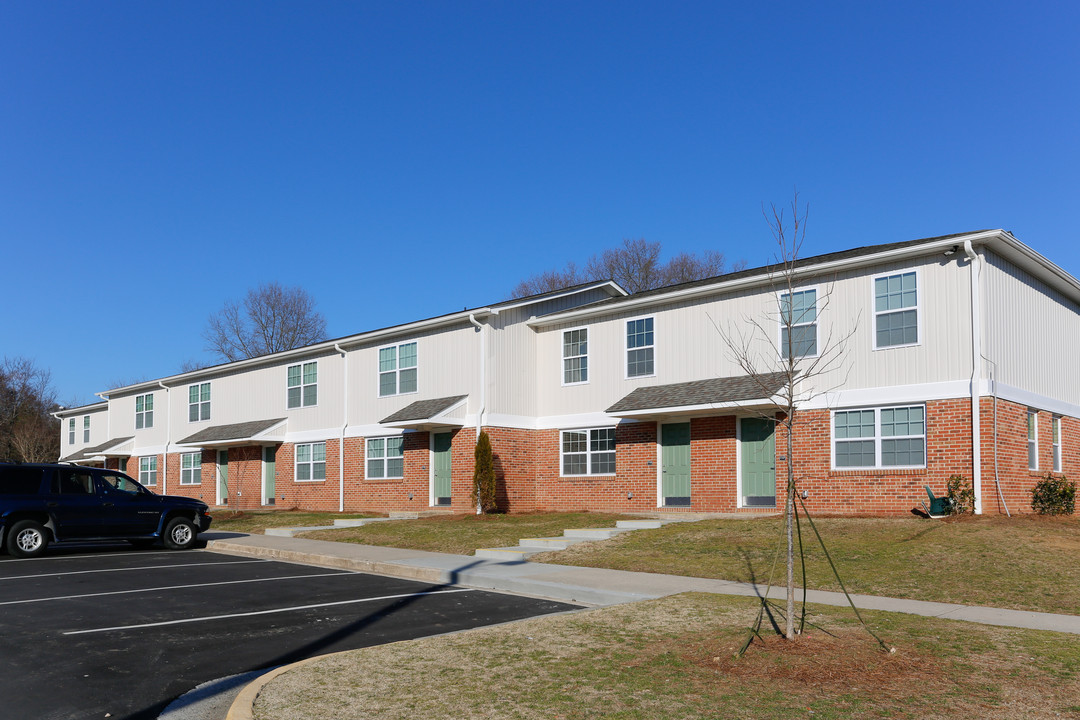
[483, 492]
[1053, 496]
[961, 495]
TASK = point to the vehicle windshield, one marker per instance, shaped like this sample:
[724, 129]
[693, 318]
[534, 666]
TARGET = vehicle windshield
[123, 484]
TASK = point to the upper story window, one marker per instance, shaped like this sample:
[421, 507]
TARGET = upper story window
[386, 457]
[86, 429]
[880, 437]
[640, 348]
[1056, 426]
[191, 468]
[71, 431]
[798, 324]
[1033, 439]
[311, 461]
[144, 411]
[148, 470]
[896, 310]
[588, 452]
[303, 385]
[397, 369]
[575, 356]
[198, 402]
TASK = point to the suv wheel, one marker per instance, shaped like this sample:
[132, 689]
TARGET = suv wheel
[179, 534]
[27, 539]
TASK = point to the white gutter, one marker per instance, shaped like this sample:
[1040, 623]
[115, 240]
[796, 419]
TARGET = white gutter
[976, 367]
[168, 433]
[341, 436]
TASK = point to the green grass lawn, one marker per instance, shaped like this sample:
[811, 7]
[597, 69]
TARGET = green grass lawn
[672, 659]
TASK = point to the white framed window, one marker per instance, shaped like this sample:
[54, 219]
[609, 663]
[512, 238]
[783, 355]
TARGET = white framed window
[1056, 428]
[869, 438]
[303, 385]
[86, 429]
[386, 457]
[1033, 439]
[144, 411]
[397, 369]
[798, 323]
[198, 402]
[587, 452]
[148, 470]
[575, 355]
[190, 468]
[310, 462]
[896, 310]
[640, 348]
[71, 431]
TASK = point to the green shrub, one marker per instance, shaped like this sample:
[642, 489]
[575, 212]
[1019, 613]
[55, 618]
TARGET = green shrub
[1053, 496]
[961, 495]
[483, 493]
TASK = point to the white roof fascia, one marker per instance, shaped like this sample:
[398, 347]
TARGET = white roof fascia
[1039, 266]
[702, 408]
[81, 410]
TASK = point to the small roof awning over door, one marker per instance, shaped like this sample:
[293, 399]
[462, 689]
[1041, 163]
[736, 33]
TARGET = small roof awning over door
[429, 414]
[700, 397]
[237, 434]
[117, 447]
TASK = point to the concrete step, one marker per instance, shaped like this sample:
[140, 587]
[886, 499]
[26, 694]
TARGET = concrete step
[594, 533]
[293, 531]
[359, 522]
[545, 544]
[416, 514]
[508, 553]
[642, 524]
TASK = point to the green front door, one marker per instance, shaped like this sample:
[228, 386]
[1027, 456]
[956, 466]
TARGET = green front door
[441, 442]
[758, 458]
[268, 476]
[223, 477]
[675, 456]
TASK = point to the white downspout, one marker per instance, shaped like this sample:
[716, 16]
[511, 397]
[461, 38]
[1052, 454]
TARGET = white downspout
[482, 327]
[976, 375]
[341, 437]
[168, 434]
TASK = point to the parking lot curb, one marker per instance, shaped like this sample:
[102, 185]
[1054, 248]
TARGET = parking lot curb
[243, 707]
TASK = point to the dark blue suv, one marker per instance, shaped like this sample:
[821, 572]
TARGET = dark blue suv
[43, 503]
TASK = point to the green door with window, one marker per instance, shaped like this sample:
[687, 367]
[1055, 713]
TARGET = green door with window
[675, 456]
[441, 443]
[268, 476]
[223, 477]
[757, 450]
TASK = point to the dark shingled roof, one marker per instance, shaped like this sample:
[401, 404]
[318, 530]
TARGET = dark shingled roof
[89, 452]
[701, 392]
[424, 409]
[236, 431]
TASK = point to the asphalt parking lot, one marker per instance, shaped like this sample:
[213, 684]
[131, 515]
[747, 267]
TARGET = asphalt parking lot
[110, 632]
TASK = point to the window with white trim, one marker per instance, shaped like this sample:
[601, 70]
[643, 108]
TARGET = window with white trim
[198, 402]
[1033, 439]
[575, 356]
[144, 411]
[71, 431]
[798, 323]
[397, 369]
[310, 462]
[588, 452]
[893, 437]
[1056, 427]
[86, 429]
[640, 348]
[190, 468]
[896, 310]
[303, 384]
[386, 457]
[148, 470]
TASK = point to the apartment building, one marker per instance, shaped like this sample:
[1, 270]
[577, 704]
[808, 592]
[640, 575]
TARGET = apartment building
[952, 358]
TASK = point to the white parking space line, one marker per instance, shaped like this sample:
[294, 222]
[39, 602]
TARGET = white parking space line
[129, 569]
[175, 587]
[124, 553]
[266, 612]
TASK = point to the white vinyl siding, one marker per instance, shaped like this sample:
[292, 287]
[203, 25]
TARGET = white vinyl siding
[1033, 439]
[1057, 442]
[575, 356]
[896, 310]
[397, 369]
[199, 402]
[144, 411]
[191, 468]
[588, 452]
[310, 462]
[640, 348]
[871, 438]
[148, 470]
[303, 385]
[798, 323]
[385, 457]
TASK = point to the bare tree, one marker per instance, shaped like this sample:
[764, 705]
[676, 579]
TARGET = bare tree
[636, 266]
[28, 431]
[271, 318]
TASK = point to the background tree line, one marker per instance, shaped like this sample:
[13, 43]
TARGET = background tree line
[28, 431]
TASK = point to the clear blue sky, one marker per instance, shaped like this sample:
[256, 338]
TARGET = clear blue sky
[401, 160]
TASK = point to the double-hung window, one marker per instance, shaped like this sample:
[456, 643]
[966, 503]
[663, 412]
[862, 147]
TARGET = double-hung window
[1057, 442]
[798, 324]
[397, 369]
[639, 348]
[191, 468]
[199, 402]
[144, 411]
[86, 429]
[71, 431]
[588, 452]
[575, 356]
[148, 470]
[1033, 439]
[896, 310]
[385, 457]
[893, 437]
[311, 461]
[303, 383]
